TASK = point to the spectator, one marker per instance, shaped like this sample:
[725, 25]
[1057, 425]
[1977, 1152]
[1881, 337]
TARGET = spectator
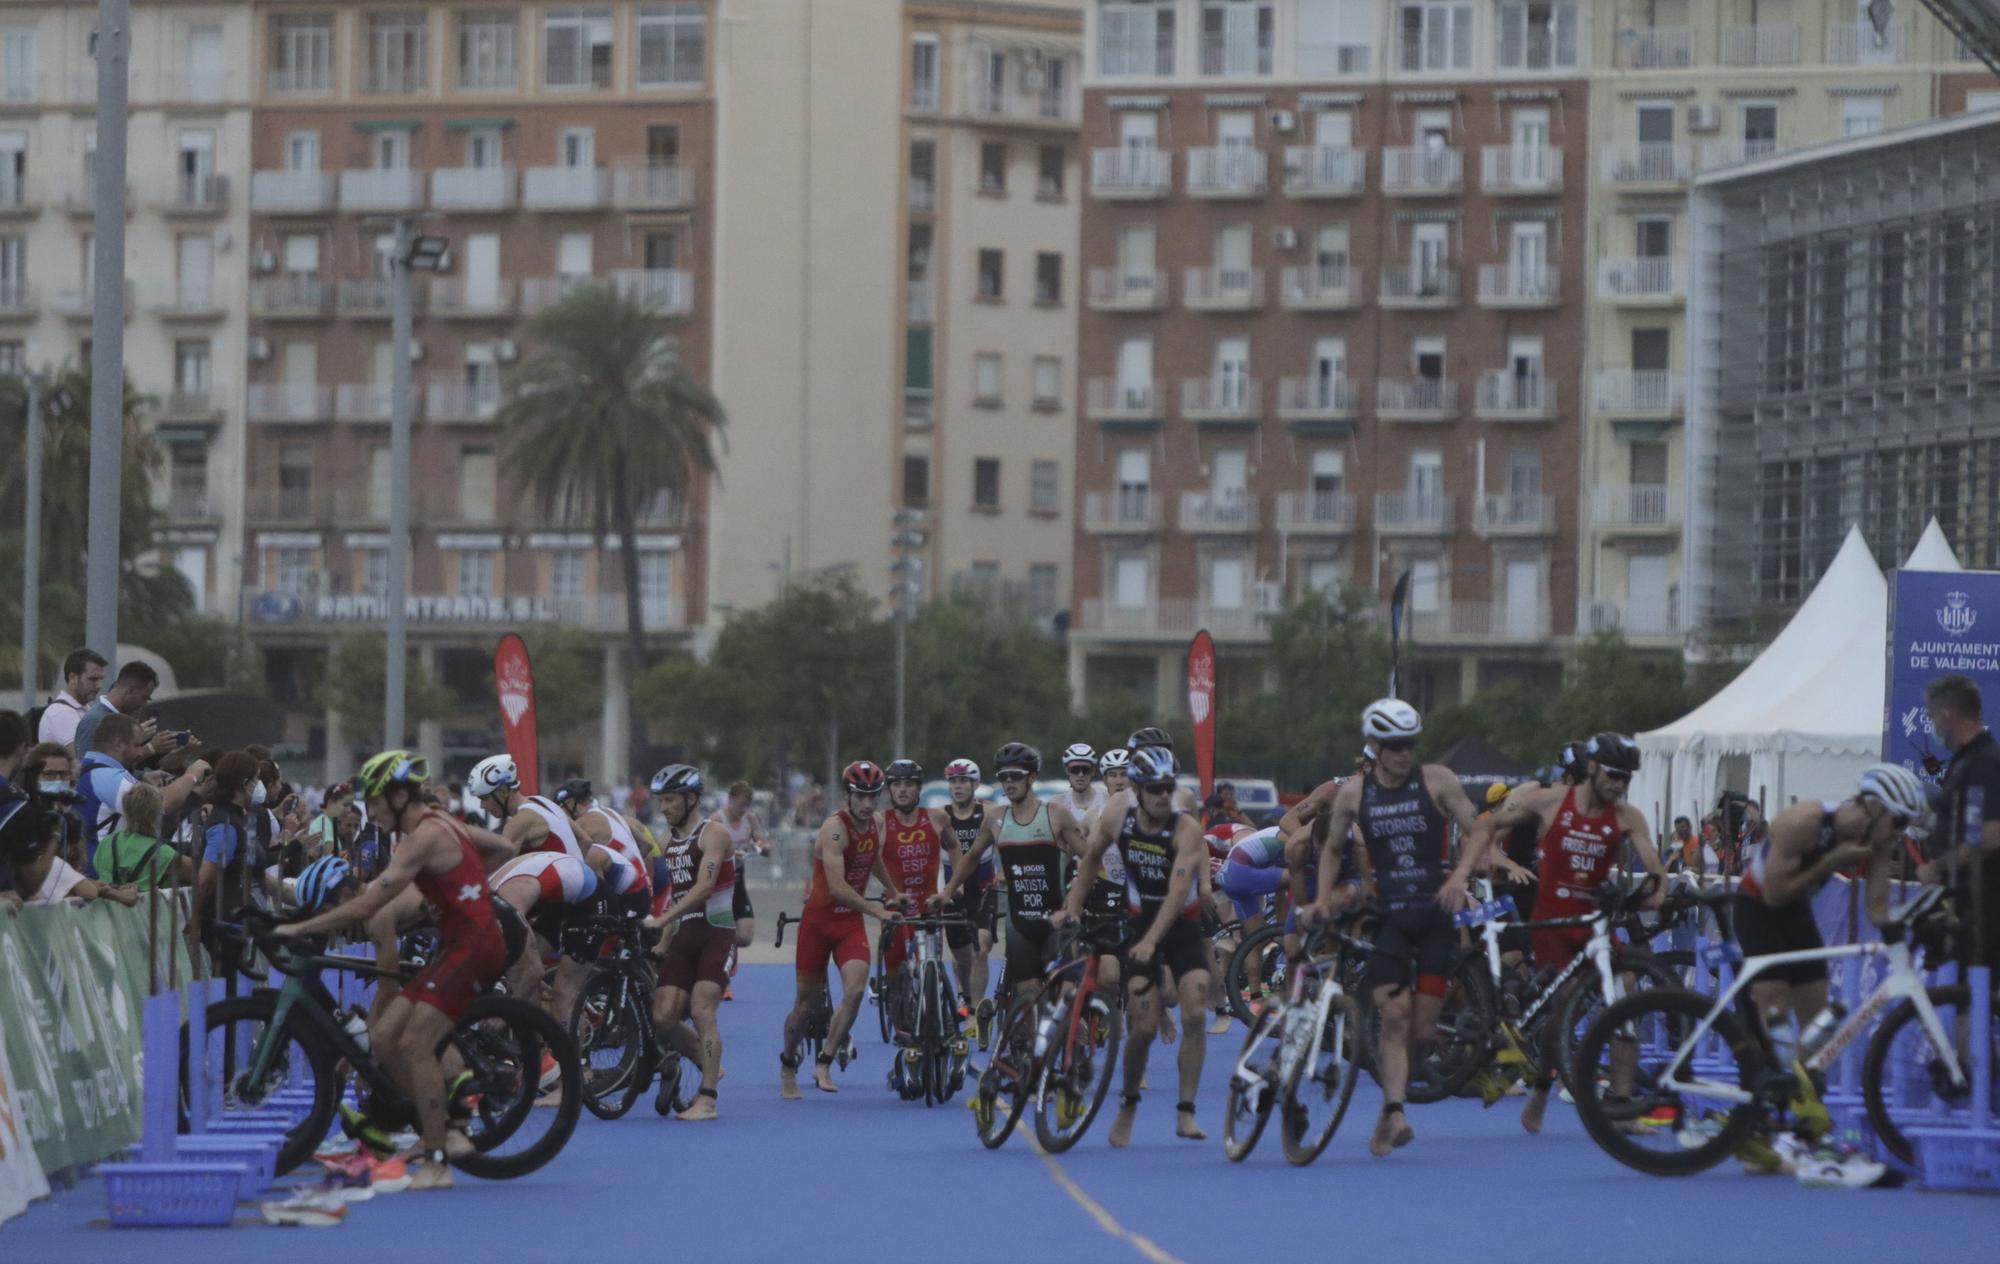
[1687, 845]
[30, 836]
[13, 747]
[83, 679]
[128, 695]
[369, 852]
[1755, 832]
[50, 772]
[135, 853]
[326, 830]
[226, 879]
[107, 778]
[1967, 861]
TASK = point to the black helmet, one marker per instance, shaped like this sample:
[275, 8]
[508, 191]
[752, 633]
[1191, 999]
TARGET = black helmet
[677, 779]
[904, 770]
[1150, 736]
[1613, 751]
[575, 790]
[1570, 760]
[1018, 755]
[1548, 775]
[1153, 766]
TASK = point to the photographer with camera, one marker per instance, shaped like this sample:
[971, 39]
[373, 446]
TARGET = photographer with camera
[30, 833]
[107, 777]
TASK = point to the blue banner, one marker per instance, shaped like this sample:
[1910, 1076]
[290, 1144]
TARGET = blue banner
[1940, 622]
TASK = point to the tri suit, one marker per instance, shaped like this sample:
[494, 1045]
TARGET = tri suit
[1148, 859]
[700, 947]
[1762, 930]
[1407, 838]
[830, 931]
[472, 947]
[1578, 850]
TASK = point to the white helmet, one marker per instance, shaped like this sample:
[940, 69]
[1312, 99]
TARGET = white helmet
[1117, 758]
[1078, 753]
[491, 775]
[1389, 718]
[1899, 789]
[961, 768]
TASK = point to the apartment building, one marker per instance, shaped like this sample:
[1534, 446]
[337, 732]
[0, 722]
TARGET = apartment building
[552, 146]
[1334, 263]
[189, 129]
[1681, 88]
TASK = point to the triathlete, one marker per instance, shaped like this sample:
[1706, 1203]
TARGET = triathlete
[913, 849]
[746, 835]
[1404, 812]
[970, 946]
[1084, 795]
[698, 907]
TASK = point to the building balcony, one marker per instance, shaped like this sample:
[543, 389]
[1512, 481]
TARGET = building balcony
[1421, 399]
[1507, 285]
[540, 293]
[293, 192]
[1652, 281]
[919, 302]
[1424, 171]
[923, 195]
[265, 505]
[919, 408]
[651, 186]
[1313, 513]
[667, 291]
[1228, 399]
[1483, 622]
[1730, 153]
[1226, 171]
[1127, 511]
[1117, 290]
[1639, 620]
[187, 506]
[1222, 289]
[1770, 44]
[17, 300]
[1651, 394]
[1176, 618]
[1326, 287]
[14, 197]
[1131, 174]
[388, 189]
[1656, 48]
[453, 400]
[363, 402]
[374, 297]
[187, 301]
[565, 188]
[1646, 168]
[472, 188]
[79, 303]
[1413, 514]
[1325, 171]
[1520, 170]
[1859, 44]
[1207, 513]
[296, 297]
[1513, 514]
[295, 403]
[982, 102]
[1505, 395]
[189, 196]
[1636, 509]
[1316, 399]
[463, 298]
[1108, 399]
[190, 407]
[1404, 286]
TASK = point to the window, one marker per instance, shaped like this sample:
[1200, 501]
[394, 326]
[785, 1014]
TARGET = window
[1325, 574]
[1760, 127]
[395, 51]
[1427, 357]
[1334, 37]
[1048, 382]
[673, 46]
[1132, 588]
[1225, 582]
[1655, 124]
[477, 483]
[1330, 255]
[475, 573]
[1536, 35]
[1232, 259]
[573, 255]
[1042, 595]
[379, 480]
[1236, 37]
[1136, 273]
[1653, 237]
[1426, 585]
[1230, 378]
[576, 48]
[993, 166]
[487, 60]
[916, 479]
[1329, 472]
[391, 150]
[13, 271]
[205, 70]
[986, 483]
[566, 574]
[13, 355]
[663, 251]
[918, 383]
[577, 148]
[1135, 37]
[1435, 36]
[1049, 182]
[302, 151]
[1652, 350]
[196, 168]
[191, 364]
[924, 72]
[986, 378]
[1647, 464]
[187, 477]
[301, 53]
[482, 148]
[1860, 116]
[990, 269]
[296, 569]
[1048, 279]
[295, 480]
[1135, 373]
[301, 257]
[1329, 373]
[923, 175]
[1042, 492]
[13, 167]
[656, 577]
[1430, 257]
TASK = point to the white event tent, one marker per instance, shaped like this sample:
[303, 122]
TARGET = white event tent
[1806, 714]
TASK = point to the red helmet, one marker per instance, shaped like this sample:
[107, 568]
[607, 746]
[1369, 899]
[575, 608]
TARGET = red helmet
[862, 777]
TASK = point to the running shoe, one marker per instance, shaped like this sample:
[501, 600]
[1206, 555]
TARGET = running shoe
[336, 1148]
[308, 1207]
[551, 1071]
[353, 1180]
[729, 992]
[366, 1133]
[1839, 1167]
[1696, 1132]
[391, 1175]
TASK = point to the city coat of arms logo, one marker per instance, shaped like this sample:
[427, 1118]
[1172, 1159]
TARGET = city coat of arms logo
[1957, 616]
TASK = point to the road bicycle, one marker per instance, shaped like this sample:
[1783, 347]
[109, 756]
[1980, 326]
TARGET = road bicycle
[291, 1037]
[612, 1025]
[1709, 1077]
[1077, 1034]
[922, 1014]
[819, 1015]
[1300, 1056]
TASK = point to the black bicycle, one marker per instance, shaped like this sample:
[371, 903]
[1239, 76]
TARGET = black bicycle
[922, 1015]
[614, 1032]
[819, 1017]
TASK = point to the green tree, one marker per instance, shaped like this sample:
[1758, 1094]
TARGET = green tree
[979, 677]
[604, 416]
[1609, 686]
[1330, 660]
[356, 680]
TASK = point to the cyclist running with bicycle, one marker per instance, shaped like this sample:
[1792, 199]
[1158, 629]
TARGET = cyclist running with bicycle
[747, 837]
[699, 906]
[913, 848]
[970, 945]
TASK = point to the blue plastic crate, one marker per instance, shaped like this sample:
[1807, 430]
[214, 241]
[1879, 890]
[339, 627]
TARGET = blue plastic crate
[1958, 1158]
[256, 1155]
[148, 1195]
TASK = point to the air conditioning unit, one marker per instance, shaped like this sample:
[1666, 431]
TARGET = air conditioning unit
[259, 348]
[267, 261]
[1285, 238]
[505, 351]
[416, 352]
[1704, 118]
[1284, 121]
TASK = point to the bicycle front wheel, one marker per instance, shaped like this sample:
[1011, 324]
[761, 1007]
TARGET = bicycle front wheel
[1248, 1106]
[500, 1042]
[1255, 970]
[1637, 972]
[1317, 1093]
[1075, 1076]
[255, 1061]
[1002, 1090]
[610, 1043]
[1903, 1064]
[1465, 1029]
[1668, 1127]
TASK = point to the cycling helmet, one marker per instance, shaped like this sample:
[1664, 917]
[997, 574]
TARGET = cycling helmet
[904, 770]
[1495, 793]
[862, 777]
[1018, 757]
[1150, 736]
[1078, 753]
[575, 790]
[1899, 789]
[677, 779]
[319, 881]
[392, 768]
[1613, 751]
[492, 775]
[1388, 719]
[961, 768]
[1570, 760]
[1153, 766]
[1116, 757]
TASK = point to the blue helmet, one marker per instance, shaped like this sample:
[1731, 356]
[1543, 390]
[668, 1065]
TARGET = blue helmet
[319, 881]
[1153, 766]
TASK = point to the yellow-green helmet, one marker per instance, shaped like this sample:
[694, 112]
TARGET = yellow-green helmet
[392, 768]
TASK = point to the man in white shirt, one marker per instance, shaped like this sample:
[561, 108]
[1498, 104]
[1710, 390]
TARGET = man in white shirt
[83, 677]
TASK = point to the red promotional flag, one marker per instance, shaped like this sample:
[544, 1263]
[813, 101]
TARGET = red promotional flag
[515, 684]
[1201, 706]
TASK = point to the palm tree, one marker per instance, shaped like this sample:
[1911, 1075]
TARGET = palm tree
[603, 417]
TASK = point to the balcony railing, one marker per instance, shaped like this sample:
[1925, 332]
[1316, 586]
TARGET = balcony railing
[310, 80]
[1656, 48]
[668, 291]
[1630, 505]
[538, 293]
[1772, 44]
[923, 194]
[1176, 617]
[17, 297]
[919, 302]
[1325, 171]
[1318, 287]
[1416, 399]
[1117, 290]
[1221, 399]
[1128, 509]
[1638, 391]
[1859, 44]
[919, 407]
[656, 186]
[565, 188]
[296, 296]
[185, 299]
[289, 402]
[1212, 513]
[1527, 169]
[198, 194]
[1413, 513]
[1629, 163]
[1505, 395]
[1131, 172]
[1729, 153]
[464, 297]
[452, 399]
[288, 504]
[472, 188]
[1302, 513]
[1222, 171]
[184, 504]
[362, 402]
[1514, 513]
[1423, 170]
[1483, 621]
[1518, 285]
[372, 296]
[1316, 398]
[385, 189]
[1222, 289]
[1407, 286]
[982, 100]
[293, 192]
[1650, 279]
[190, 405]
[1109, 399]
[1659, 617]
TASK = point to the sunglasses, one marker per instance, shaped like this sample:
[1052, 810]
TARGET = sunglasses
[1011, 775]
[1616, 774]
[1400, 745]
[1162, 788]
[904, 781]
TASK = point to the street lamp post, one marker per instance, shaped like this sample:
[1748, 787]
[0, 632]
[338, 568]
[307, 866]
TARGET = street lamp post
[31, 561]
[908, 570]
[413, 253]
[107, 331]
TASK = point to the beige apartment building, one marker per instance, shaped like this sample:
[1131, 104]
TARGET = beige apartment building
[186, 243]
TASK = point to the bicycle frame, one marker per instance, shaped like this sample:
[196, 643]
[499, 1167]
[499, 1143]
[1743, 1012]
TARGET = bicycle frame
[1598, 952]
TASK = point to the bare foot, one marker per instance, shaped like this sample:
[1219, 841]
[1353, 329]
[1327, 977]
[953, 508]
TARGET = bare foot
[1121, 1127]
[1392, 1132]
[703, 1108]
[431, 1176]
[1219, 1025]
[823, 1078]
[457, 1145]
[788, 1083]
[1532, 1111]
[1185, 1126]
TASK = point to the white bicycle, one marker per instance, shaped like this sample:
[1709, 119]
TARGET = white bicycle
[1300, 1055]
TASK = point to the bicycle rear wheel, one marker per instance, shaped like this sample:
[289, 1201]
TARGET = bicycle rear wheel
[501, 1041]
[1320, 1086]
[1669, 1129]
[1902, 1062]
[1586, 1001]
[610, 1044]
[1465, 1030]
[1256, 969]
[1248, 1105]
[1002, 1089]
[296, 1060]
[1075, 1075]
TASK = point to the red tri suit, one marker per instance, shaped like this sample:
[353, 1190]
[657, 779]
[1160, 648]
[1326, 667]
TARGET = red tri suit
[831, 931]
[915, 856]
[472, 949]
[1577, 852]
